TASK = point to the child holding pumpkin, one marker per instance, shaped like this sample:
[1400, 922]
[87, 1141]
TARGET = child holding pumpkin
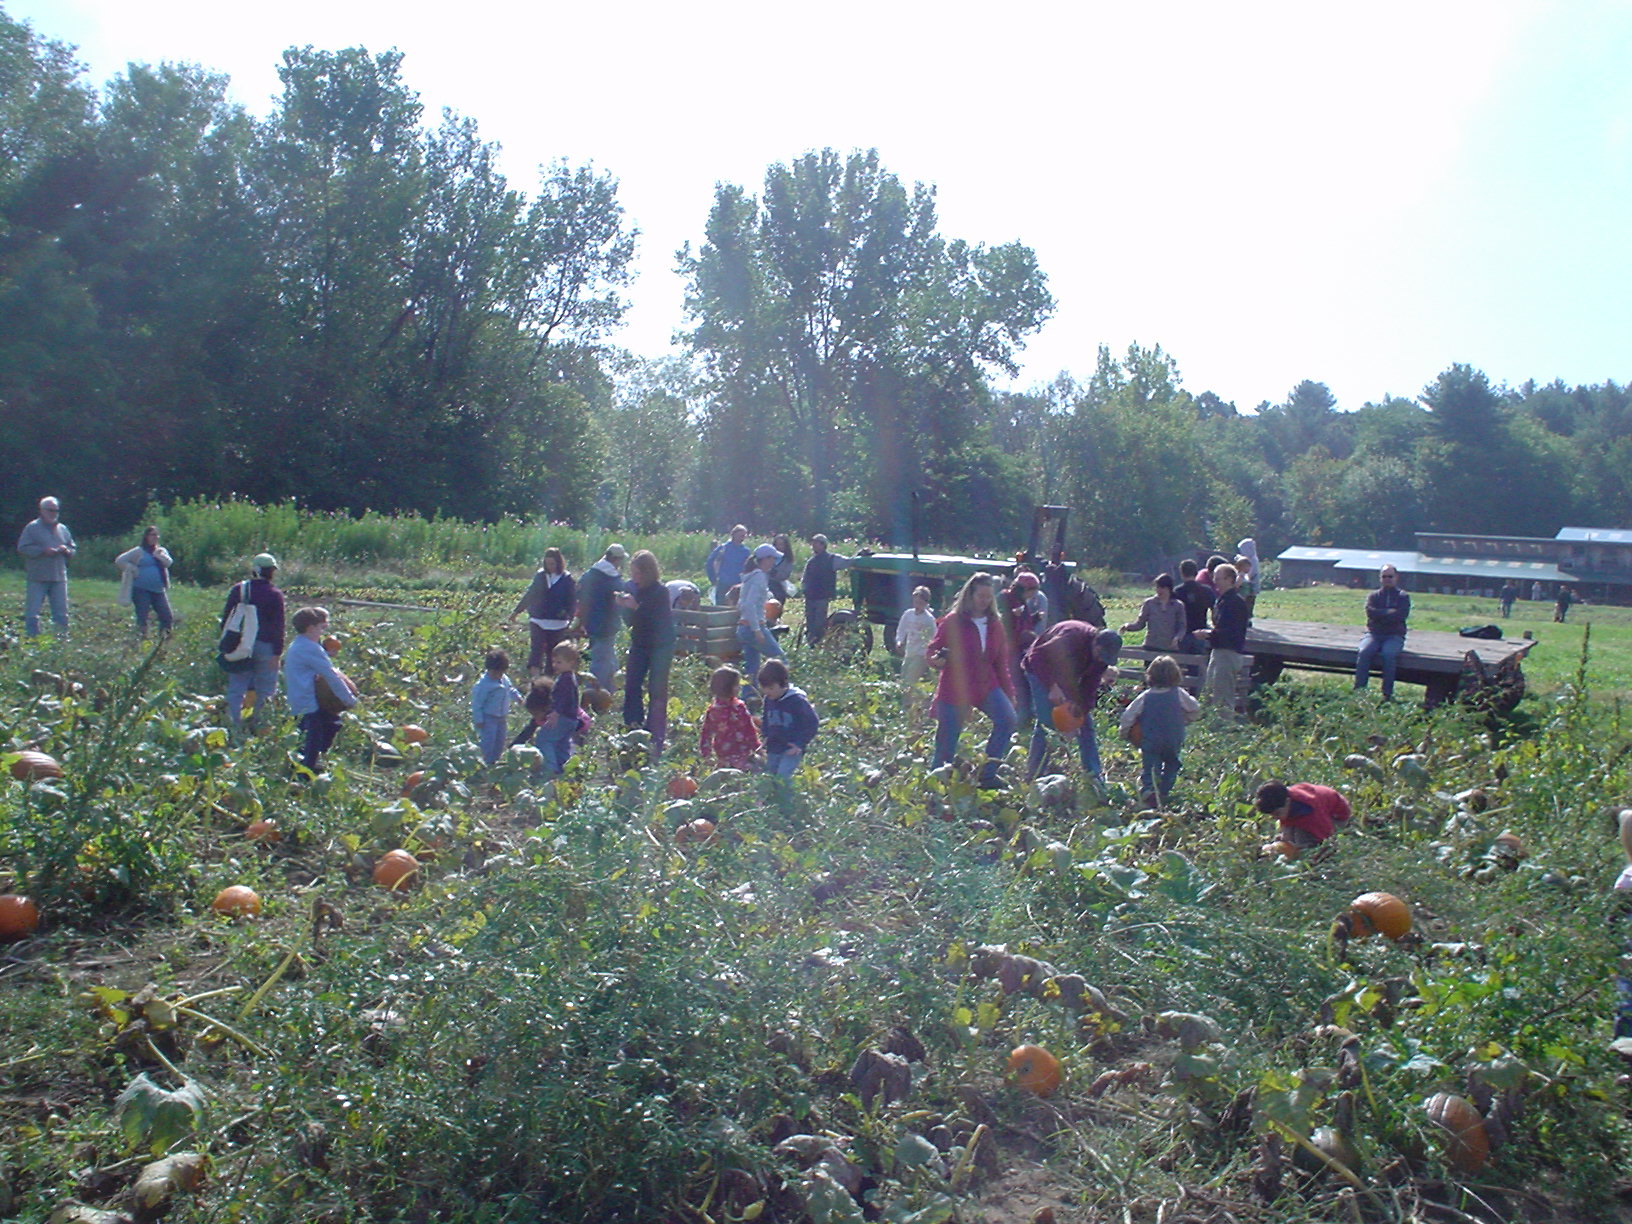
[729, 738]
[1308, 814]
[563, 721]
[1155, 721]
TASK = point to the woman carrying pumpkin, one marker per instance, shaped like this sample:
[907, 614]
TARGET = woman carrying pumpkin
[972, 652]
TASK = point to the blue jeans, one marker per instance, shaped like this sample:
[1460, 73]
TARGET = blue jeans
[156, 602]
[1161, 769]
[1087, 739]
[556, 743]
[754, 646]
[35, 598]
[1386, 651]
[263, 678]
[816, 619]
[782, 764]
[1001, 711]
[603, 659]
[494, 736]
[648, 668]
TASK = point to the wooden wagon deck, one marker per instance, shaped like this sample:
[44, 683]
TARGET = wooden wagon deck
[1432, 658]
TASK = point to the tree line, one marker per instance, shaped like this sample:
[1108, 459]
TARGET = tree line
[348, 305]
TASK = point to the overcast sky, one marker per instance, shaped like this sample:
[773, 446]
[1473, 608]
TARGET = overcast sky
[1359, 195]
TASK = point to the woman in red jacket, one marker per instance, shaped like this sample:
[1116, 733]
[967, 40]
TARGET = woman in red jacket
[972, 653]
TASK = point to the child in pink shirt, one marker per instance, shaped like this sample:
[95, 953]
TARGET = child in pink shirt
[729, 738]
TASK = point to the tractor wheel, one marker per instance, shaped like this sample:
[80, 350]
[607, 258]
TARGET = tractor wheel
[848, 637]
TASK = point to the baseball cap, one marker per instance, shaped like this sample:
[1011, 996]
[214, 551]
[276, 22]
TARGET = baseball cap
[264, 561]
[616, 552]
[765, 550]
[1108, 644]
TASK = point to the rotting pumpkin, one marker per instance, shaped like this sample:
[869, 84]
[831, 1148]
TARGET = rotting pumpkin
[31, 766]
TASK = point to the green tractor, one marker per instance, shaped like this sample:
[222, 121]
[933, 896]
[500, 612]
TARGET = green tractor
[881, 584]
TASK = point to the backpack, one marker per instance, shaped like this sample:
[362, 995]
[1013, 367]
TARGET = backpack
[1082, 603]
[235, 651]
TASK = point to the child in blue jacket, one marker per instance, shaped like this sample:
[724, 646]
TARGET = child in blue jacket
[490, 703]
[789, 720]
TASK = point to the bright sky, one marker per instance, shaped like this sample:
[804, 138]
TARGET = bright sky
[1359, 195]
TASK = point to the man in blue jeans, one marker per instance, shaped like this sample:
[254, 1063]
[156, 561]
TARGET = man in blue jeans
[1386, 611]
[262, 675]
[46, 545]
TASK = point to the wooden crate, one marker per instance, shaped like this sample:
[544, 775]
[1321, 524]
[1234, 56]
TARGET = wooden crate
[707, 630]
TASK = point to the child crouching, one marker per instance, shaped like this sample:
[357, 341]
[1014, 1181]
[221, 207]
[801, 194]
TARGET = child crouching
[789, 719]
[1160, 714]
[1308, 814]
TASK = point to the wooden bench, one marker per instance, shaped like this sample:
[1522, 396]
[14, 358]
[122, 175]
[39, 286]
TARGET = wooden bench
[1194, 667]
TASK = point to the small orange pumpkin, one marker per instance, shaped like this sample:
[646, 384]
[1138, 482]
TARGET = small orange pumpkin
[694, 832]
[331, 644]
[1283, 848]
[1466, 1142]
[411, 781]
[414, 734]
[1036, 1070]
[598, 700]
[237, 901]
[1510, 843]
[1379, 913]
[19, 916]
[682, 786]
[773, 609]
[1065, 722]
[264, 831]
[31, 765]
[394, 869]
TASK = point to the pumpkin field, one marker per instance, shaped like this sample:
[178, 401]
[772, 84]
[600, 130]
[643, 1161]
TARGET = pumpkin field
[421, 989]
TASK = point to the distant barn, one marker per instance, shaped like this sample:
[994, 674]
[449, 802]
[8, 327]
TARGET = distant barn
[1595, 563]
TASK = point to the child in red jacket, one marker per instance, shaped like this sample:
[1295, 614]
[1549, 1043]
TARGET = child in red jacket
[1308, 813]
[729, 738]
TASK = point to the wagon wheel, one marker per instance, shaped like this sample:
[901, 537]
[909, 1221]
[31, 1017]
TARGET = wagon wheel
[848, 637]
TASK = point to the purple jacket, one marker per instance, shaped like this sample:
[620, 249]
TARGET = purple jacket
[268, 601]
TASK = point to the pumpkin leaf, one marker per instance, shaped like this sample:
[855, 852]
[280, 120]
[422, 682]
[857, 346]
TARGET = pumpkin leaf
[154, 1117]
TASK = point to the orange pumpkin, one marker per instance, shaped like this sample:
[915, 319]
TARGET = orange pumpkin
[1036, 1070]
[1379, 913]
[237, 901]
[414, 734]
[19, 916]
[773, 609]
[394, 869]
[31, 765]
[411, 781]
[1065, 722]
[1283, 848]
[264, 831]
[1510, 843]
[598, 700]
[694, 832]
[1466, 1142]
[682, 787]
[331, 644]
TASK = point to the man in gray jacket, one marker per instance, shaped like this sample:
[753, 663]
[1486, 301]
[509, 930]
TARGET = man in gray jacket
[47, 544]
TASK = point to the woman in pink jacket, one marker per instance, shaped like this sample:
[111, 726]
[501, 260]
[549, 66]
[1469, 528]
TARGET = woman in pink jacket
[972, 653]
